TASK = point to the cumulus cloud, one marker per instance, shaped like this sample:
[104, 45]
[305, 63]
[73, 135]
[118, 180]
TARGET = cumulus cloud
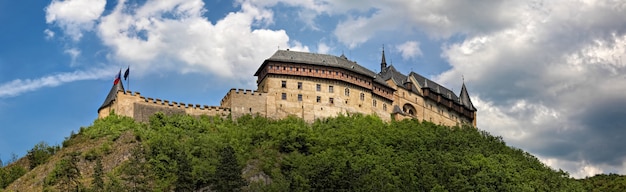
[557, 77]
[409, 49]
[174, 35]
[323, 48]
[21, 86]
[74, 16]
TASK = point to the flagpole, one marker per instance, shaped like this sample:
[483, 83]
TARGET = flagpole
[128, 80]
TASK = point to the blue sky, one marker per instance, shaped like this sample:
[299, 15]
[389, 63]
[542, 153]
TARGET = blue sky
[547, 76]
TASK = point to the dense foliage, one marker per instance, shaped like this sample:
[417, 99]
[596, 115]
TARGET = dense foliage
[345, 153]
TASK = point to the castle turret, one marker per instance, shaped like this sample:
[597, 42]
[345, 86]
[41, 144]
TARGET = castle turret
[112, 94]
[465, 99]
[408, 84]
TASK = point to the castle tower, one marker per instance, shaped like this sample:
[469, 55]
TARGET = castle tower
[112, 95]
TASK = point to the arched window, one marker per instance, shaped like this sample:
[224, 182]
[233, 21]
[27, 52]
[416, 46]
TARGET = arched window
[408, 109]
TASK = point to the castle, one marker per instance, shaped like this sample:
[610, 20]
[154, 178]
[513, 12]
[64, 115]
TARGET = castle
[312, 86]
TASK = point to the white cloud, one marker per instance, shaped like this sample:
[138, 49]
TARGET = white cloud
[187, 42]
[49, 34]
[74, 16]
[74, 53]
[21, 86]
[544, 74]
[409, 49]
[323, 48]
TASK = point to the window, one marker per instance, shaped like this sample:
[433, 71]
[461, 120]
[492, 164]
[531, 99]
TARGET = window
[374, 102]
[299, 97]
[331, 100]
[283, 96]
[384, 107]
[290, 68]
[319, 99]
[330, 88]
[299, 85]
[317, 70]
[362, 96]
[347, 92]
[318, 87]
[283, 84]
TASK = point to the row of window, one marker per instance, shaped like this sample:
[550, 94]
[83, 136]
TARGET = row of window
[318, 87]
[344, 75]
[331, 100]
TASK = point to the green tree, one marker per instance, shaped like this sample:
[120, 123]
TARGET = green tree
[98, 183]
[66, 173]
[40, 154]
[228, 173]
[135, 172]
[9, 174]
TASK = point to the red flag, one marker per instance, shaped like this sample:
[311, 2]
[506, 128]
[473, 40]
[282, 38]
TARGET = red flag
[117, 78]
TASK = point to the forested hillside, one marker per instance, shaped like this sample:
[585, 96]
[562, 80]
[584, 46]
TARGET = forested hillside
[346, 153]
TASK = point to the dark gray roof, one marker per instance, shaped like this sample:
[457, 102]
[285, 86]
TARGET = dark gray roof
[435, 87]
[396, 109]
[323, 60]
[112, 95]
[400, 79]
[391, 73]
[465, 99]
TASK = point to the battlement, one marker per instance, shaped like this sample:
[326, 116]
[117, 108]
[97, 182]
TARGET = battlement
[238, 92]
[140, 108]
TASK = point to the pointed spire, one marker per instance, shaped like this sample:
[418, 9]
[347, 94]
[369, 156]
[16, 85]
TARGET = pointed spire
[383, 62]
[407, 83]
[465, 99]
[112, 95]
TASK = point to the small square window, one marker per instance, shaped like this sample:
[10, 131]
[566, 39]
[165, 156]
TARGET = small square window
[299, 85]
[283, 84]
[299, 97]
[319, 99]
[283, 96]
[331, 100]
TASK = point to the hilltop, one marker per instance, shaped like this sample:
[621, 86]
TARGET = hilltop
[348, 153]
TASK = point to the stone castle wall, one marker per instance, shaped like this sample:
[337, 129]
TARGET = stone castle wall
[140, 108]
[301, 98]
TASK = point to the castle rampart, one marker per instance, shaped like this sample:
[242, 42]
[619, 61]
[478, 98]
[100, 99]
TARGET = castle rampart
[140, 108]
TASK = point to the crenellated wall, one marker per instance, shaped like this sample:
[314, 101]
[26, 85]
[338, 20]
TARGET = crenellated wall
[242, 102]
[140, 108]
